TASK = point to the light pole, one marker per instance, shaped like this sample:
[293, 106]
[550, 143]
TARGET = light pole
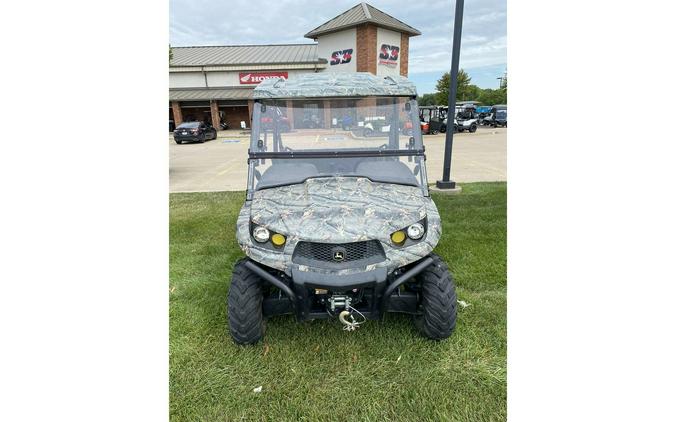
[446, 183]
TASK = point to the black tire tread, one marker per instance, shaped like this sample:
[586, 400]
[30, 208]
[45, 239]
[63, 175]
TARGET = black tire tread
[439, 301]
[244, 305]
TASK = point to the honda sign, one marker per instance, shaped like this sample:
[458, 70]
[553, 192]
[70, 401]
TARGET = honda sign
[255, 78]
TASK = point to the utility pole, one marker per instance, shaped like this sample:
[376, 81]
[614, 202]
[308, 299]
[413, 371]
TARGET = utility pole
[446, 183]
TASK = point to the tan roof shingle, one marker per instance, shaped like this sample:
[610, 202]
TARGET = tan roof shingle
[360, 14]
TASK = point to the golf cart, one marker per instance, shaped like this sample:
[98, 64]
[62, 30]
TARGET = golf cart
[466, 118]
[433, 119]
[337, 225]
[482, 112]
[498, 116]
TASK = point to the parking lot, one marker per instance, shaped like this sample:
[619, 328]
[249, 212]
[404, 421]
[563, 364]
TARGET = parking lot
[220, 164]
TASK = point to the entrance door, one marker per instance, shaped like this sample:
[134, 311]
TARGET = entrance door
[311, 116]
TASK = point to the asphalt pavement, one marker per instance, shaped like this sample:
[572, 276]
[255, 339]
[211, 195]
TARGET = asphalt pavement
[220, 164]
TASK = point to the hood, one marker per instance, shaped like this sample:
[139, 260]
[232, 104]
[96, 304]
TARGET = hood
[338, 209]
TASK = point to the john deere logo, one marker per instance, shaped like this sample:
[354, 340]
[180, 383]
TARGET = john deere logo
[338, 255]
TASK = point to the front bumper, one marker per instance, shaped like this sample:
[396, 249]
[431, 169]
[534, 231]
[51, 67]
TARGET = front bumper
[193, 138]
[297, 297]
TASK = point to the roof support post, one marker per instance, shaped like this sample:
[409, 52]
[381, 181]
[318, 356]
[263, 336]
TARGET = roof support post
[250, 114]
[326, 114]
[289, 114]
[215, 115]
[177, 113]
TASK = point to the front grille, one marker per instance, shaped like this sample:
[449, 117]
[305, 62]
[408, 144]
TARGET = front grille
[323, 255]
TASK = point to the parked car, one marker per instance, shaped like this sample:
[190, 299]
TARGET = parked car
[194, 131]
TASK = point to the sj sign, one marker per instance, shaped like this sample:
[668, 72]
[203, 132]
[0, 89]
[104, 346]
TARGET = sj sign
[389, 55]
[256, 78]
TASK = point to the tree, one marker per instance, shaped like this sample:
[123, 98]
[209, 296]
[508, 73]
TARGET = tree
[170, 53]
[463, 87]
[492, 96]
[472, 93]
[466, 91]
[427, 100]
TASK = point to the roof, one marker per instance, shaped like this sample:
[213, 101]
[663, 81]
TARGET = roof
[192, 94]
[244, 54]
[360, 14]
[329, 84]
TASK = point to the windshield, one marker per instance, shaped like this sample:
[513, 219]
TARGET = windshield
[377, 138]
[464, 114]
[501, 114]
[189, 125]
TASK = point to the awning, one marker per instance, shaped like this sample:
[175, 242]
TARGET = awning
[201, 94]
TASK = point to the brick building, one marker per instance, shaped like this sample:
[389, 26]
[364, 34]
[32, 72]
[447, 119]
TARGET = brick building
[212, 83]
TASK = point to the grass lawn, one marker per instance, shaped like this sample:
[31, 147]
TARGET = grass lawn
[314, 371]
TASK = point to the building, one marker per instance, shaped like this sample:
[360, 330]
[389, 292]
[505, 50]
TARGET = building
[212, 83]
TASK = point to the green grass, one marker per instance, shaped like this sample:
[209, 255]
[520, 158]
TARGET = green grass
[316, 371]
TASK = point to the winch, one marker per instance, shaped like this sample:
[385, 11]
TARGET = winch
[346, 316]
[339, 302]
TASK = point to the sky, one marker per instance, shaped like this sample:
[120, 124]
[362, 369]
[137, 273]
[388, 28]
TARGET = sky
[232, 22]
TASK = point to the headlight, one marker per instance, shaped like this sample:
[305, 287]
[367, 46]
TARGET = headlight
[278, 239]
[415, 231]
[261, 234]
[398, 237]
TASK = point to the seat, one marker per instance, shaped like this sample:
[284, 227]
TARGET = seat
[387, 171]
[286, 173]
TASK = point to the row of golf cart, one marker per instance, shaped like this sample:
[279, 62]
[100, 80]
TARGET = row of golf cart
[468, 117]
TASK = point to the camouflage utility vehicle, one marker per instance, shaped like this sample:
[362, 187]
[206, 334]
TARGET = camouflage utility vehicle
[338, 221]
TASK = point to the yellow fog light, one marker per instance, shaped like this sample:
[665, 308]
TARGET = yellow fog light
[398, 237]
[278, 239]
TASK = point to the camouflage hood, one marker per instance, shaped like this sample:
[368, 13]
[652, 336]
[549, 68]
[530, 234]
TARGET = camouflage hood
[338, 209]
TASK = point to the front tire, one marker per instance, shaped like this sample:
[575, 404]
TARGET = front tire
[473, 128]
[438, 302]
[178, 142]
[244, 305]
